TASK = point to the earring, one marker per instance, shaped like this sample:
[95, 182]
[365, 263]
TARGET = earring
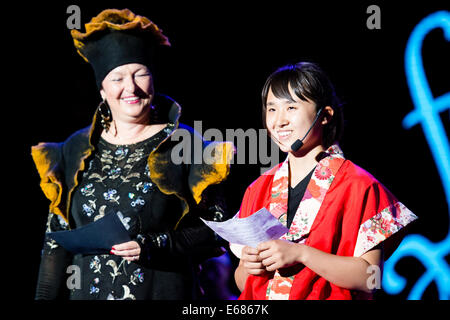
[105, 114]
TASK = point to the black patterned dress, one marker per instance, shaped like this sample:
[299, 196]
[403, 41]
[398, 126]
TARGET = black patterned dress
[117, 180]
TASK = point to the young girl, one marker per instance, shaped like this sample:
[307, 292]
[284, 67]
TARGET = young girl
[340, 218]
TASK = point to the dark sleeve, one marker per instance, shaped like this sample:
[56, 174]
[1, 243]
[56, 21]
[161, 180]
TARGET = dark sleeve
[54, 262]
[193, 237]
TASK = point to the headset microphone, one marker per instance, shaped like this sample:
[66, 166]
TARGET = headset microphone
[299, 142]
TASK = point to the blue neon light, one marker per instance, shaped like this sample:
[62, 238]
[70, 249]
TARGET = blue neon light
[427, 109]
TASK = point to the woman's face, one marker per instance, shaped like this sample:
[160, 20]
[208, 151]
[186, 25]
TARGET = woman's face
[128, 89]
[288, 121]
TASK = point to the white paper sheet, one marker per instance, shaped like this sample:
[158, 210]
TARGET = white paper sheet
[236, 249]
[259, 227]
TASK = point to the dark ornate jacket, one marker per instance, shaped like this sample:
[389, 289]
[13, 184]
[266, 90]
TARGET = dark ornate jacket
[193, 181]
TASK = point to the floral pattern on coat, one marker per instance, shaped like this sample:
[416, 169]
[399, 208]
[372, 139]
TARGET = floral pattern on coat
[279, 287]
[381, 226]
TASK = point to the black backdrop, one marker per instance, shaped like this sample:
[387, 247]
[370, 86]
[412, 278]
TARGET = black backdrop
[221, 54]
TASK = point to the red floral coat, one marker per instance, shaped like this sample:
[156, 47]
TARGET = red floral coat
[345, 211]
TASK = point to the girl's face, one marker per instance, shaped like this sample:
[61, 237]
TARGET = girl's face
[288, 121]
[128, 89]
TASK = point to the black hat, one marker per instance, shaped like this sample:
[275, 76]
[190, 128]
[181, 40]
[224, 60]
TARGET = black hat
[118, 37]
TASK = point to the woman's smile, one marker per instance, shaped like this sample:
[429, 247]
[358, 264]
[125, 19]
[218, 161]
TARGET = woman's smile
[284, 135]
[131, 99]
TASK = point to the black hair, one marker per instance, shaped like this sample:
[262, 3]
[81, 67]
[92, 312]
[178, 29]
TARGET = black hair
[308, 82]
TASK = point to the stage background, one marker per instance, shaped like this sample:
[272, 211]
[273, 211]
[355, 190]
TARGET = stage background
[221, 54]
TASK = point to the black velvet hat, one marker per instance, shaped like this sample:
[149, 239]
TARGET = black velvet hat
[118, 37]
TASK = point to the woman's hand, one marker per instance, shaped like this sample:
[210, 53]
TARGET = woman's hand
[278, 254]
[130, 250]
[251, 261]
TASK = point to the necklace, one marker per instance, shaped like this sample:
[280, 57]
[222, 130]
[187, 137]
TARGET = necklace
[114, 138]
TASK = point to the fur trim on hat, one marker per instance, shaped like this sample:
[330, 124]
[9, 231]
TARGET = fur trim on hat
[114, 19]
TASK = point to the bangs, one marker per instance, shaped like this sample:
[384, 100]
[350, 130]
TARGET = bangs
[287, 80]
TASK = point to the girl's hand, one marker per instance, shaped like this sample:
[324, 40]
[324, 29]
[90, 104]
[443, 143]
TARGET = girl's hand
[278, 254]
[251, 262]
[130, 250]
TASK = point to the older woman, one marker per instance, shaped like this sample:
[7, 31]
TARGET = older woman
[121, 164]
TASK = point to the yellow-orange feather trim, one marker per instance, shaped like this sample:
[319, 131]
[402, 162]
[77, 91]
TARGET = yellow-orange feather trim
[50, 185]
